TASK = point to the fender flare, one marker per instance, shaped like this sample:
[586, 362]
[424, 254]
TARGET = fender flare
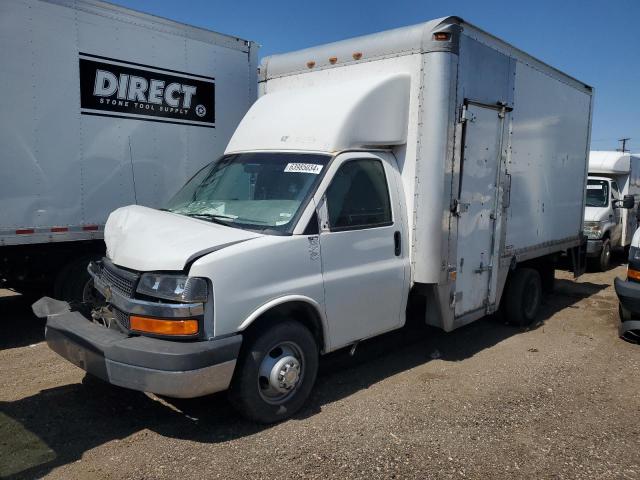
[265, 307]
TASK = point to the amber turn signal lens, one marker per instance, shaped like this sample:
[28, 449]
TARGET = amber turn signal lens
[633, 274]
[160, 326]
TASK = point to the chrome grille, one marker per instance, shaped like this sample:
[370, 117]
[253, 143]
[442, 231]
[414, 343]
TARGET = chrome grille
[119, 280]
[122, 318]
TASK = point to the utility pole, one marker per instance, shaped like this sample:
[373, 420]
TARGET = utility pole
[624, 145]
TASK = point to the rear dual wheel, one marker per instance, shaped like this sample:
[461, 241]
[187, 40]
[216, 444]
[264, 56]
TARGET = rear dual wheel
[523, 297]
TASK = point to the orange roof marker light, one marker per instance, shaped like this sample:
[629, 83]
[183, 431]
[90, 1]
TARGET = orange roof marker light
[311, 64]
[357, 55]
[441, 36]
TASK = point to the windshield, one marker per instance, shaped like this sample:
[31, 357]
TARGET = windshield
[597, 193]
[256, 191]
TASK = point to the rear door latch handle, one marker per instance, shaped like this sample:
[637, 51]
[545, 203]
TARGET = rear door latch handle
[397, 243]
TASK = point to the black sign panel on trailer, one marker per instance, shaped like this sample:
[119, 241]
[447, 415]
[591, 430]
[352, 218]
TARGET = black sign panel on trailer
[117, 88]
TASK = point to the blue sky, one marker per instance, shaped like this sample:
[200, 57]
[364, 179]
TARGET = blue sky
[596, 41]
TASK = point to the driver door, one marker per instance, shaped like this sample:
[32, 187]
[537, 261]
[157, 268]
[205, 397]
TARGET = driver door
[365, 262]
[616, 206]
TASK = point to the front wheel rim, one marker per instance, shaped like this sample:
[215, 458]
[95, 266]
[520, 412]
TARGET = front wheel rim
[281, 372]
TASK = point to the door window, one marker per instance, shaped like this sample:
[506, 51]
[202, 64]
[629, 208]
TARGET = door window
[358, 196]
[615, 193]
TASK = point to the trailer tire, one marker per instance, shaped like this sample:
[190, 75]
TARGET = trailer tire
[523, 297]
[275, 372]
[73, 283]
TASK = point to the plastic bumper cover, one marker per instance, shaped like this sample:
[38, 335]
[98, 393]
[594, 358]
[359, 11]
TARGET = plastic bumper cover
[171, 368]
[629, 297]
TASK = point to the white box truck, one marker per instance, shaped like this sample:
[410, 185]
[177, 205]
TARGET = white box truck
[433, 160]
[102, 107]
[613, 190]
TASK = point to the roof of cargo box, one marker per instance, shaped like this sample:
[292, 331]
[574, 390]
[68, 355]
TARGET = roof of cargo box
[390, 43]
[154, 22]
[612, 162]
[345, 115]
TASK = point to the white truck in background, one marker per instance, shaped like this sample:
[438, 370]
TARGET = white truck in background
[611, 215]
[432, 160]
[102, 107]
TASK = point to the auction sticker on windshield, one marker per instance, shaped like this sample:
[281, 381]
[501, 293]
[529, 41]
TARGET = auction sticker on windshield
[303, 168]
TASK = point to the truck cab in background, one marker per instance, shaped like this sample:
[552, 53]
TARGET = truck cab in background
[610, 218]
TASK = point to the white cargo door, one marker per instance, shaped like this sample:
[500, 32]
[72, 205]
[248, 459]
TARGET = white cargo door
[477, 205]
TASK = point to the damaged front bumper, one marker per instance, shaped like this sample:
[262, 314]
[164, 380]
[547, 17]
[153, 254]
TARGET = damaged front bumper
[629, 297]
[170, 368]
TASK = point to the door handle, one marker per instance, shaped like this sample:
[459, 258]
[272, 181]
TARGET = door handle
[397, 243]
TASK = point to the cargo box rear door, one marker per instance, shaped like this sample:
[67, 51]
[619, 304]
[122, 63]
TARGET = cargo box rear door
[477, 207]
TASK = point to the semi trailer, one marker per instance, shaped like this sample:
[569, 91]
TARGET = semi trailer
[433, 160]
[102, 107]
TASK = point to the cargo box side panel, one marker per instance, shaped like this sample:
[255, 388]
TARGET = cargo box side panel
[548, 161]
[65, 164]
[40, 183]
[147, 156]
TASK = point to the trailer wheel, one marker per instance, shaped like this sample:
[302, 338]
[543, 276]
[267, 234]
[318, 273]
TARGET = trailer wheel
[74, 284]
[523, 297]
[275, 373]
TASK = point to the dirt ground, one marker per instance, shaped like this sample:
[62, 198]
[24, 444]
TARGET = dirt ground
[560, 400]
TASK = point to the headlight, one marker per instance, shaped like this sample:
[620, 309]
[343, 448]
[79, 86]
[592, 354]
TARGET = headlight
[593, 230]
[173, 287]
[634, 254]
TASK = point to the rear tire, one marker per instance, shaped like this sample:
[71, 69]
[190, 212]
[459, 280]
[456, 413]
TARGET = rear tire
[74, 284]
[523, 297]
[275, 372]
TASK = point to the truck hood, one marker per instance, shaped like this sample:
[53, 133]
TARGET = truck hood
[146, 239]
[596, 214]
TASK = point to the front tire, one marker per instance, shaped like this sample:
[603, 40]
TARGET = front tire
[605, 256]
[523, 297]
[275, 373]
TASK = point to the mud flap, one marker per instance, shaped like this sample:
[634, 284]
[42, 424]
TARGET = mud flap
[578, 256]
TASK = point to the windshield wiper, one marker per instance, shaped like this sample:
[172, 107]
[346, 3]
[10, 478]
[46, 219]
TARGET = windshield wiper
[212, 217]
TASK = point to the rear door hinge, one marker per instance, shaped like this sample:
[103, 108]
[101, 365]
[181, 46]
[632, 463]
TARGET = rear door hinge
[458, 207]
[466, 115]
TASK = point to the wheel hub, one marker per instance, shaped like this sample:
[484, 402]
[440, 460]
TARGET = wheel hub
[285, 374]
[281, 372]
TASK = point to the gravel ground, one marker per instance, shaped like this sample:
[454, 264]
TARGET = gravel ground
[560, 400]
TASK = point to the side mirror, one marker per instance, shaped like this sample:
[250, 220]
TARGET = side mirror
[628, 201]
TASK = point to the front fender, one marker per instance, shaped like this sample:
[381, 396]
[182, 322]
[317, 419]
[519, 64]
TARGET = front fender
[290, 299]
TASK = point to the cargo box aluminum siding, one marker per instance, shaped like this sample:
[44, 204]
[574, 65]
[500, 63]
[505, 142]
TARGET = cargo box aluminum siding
[495, 161]
[103, 107]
